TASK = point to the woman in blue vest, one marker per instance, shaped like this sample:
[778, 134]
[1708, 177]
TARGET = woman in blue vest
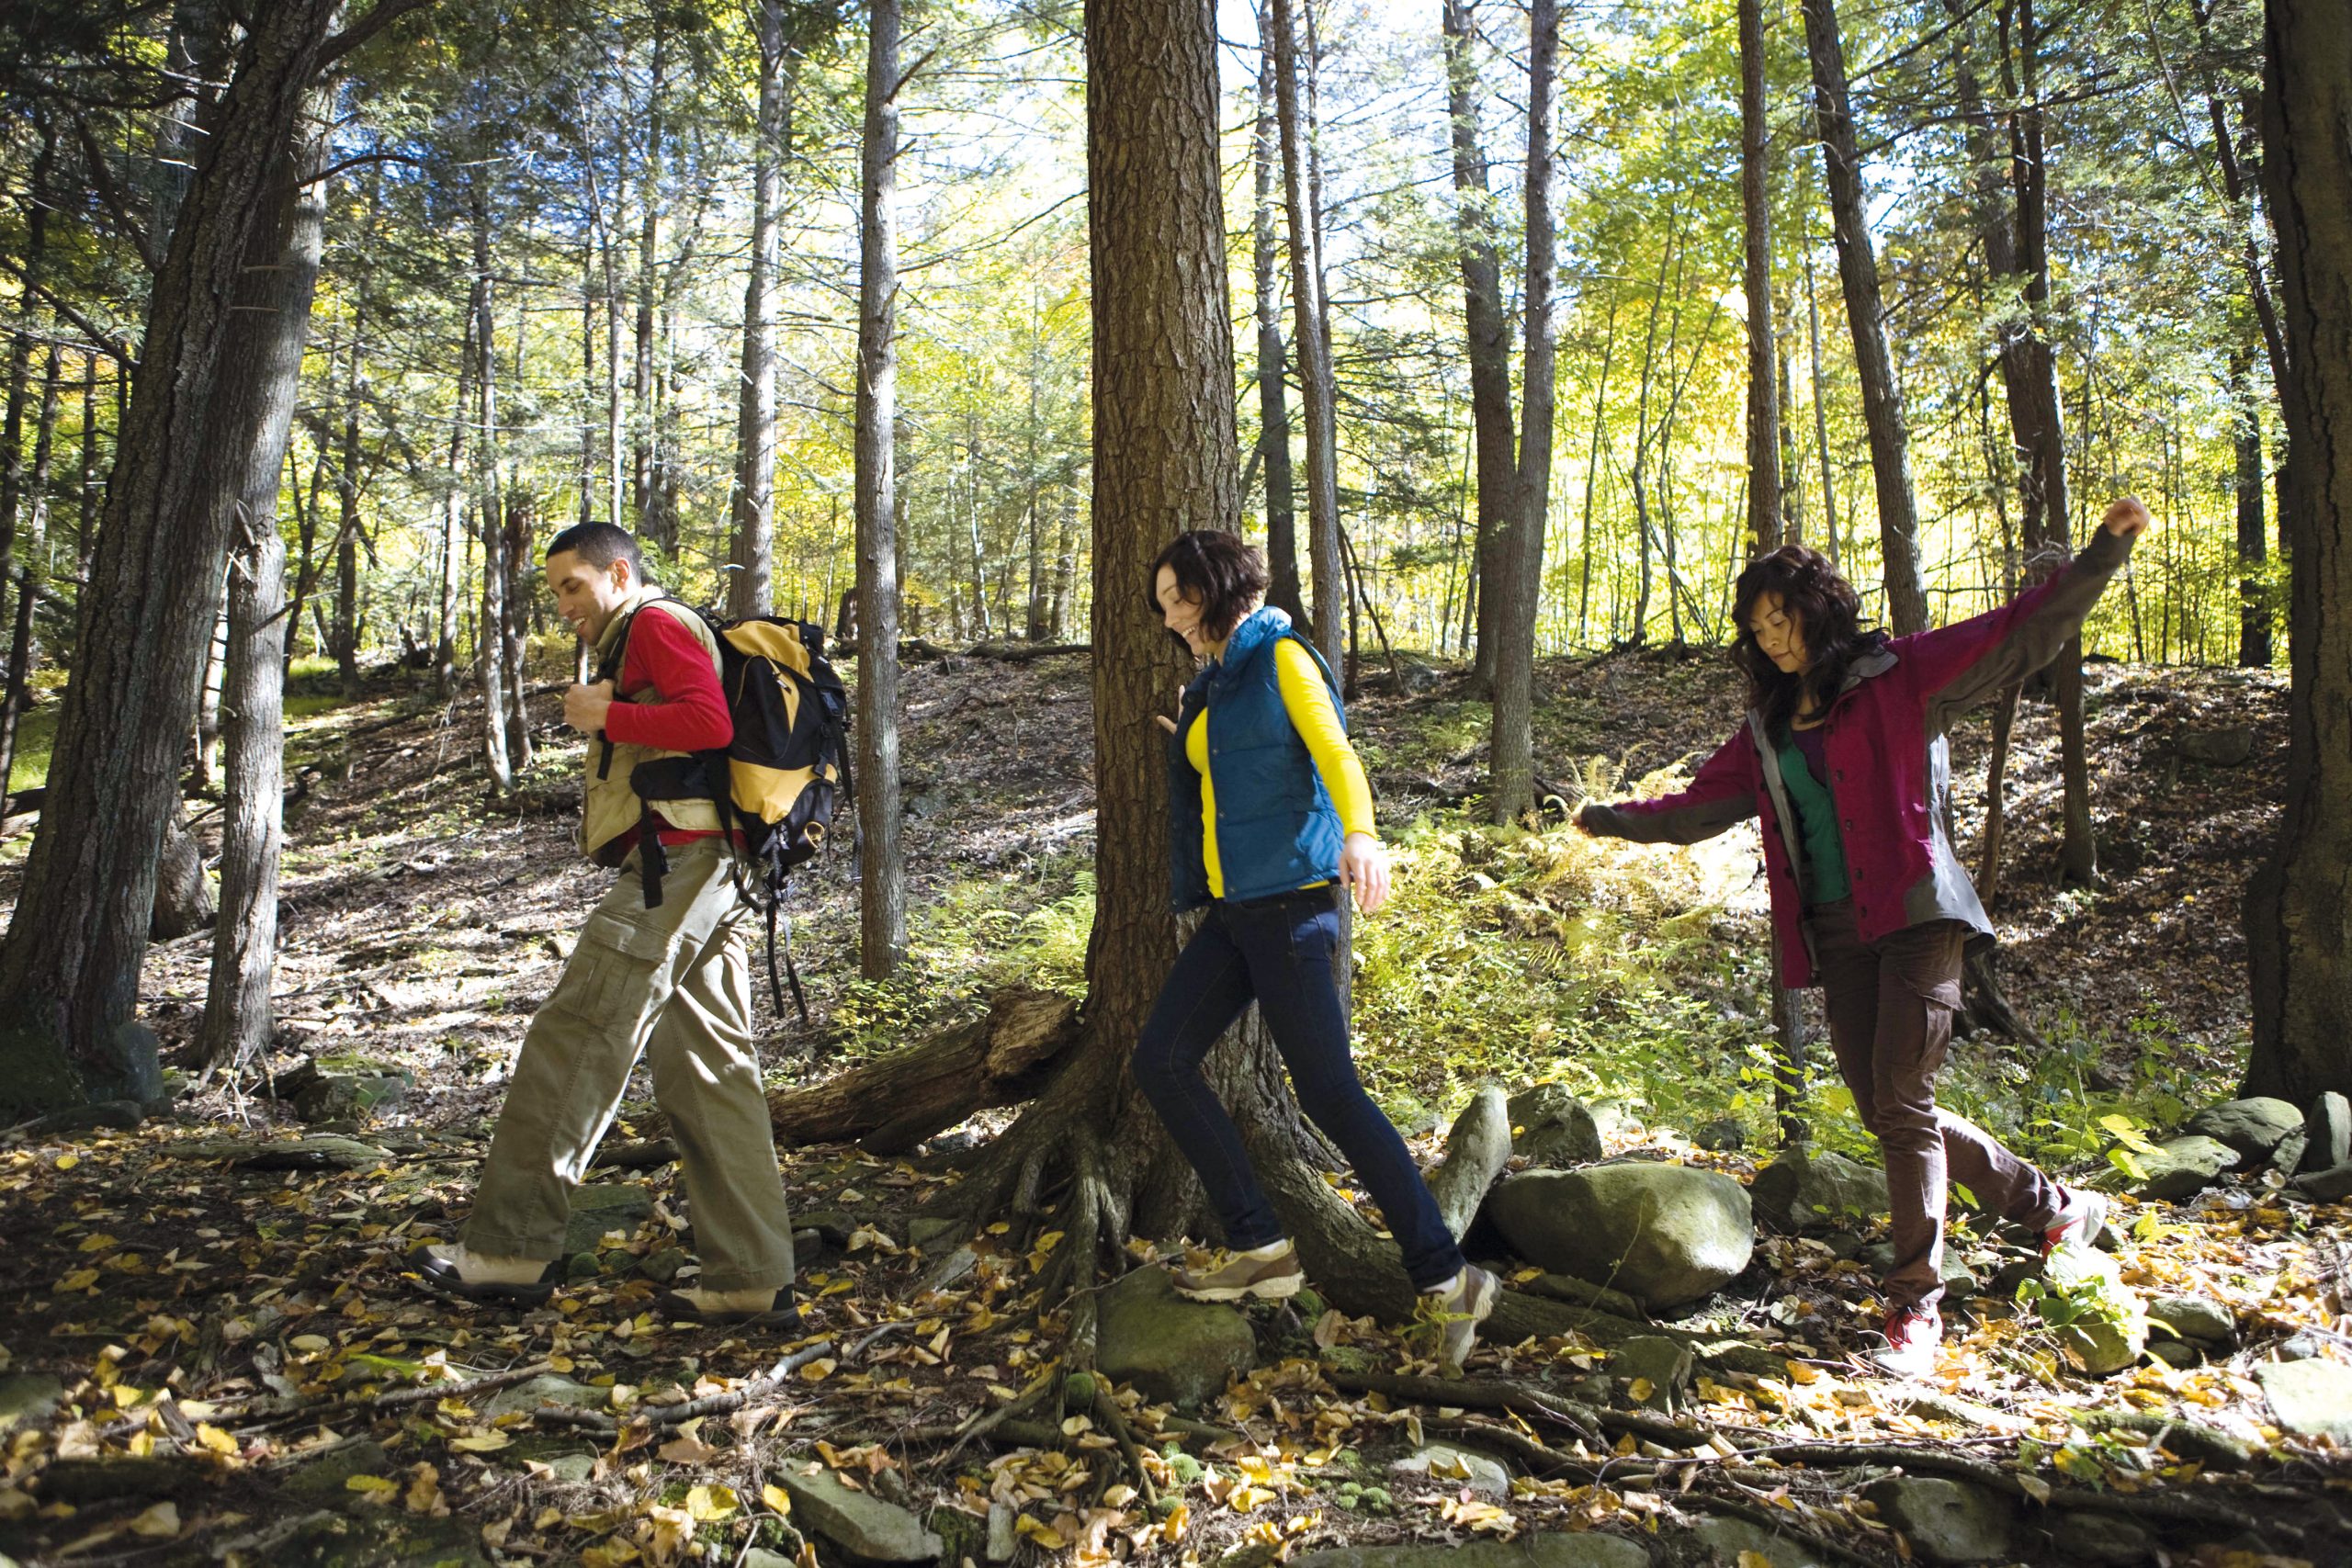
[1270, 824]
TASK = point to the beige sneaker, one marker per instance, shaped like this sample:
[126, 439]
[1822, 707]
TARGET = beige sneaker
[1458, 1307]
[457, 1269]
[1270, 1273]
[747, 1309]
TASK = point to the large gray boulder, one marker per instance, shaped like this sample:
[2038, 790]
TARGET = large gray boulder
[2182, 1168]
[1552, 1127]
[2330, 1185]
[2310, 1398]
[1665, 1235]
[1170, 1348]
[2329, 1125]
[862, 1525]
[1812, 1190]
[1945, 1521]
[2250, 1127]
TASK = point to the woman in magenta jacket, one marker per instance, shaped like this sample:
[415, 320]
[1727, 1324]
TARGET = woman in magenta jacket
[1842, 756]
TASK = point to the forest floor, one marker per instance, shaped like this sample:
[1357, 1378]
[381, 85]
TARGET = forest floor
[205, 1360]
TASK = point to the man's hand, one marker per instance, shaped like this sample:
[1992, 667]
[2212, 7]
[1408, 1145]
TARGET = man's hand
[1363, 865]
[2126, 518]
[584, 707]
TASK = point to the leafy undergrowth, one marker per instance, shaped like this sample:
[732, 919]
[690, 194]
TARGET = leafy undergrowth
[204, 1357]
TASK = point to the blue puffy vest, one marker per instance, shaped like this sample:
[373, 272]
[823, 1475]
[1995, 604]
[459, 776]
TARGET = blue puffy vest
[1276, 827]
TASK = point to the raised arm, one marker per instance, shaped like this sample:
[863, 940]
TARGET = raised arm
[1957, 666]
[1722, 792]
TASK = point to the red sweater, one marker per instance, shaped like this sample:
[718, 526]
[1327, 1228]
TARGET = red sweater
[687, 711]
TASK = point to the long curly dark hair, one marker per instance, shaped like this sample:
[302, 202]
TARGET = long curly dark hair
[1827, 611]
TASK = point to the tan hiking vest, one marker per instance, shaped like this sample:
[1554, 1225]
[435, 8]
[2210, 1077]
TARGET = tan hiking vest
[609, 807]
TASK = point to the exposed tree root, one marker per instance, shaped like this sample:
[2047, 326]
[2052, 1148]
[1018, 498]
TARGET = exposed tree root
[1115, 1421]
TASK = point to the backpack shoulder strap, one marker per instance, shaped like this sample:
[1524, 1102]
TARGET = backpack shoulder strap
[611, 670]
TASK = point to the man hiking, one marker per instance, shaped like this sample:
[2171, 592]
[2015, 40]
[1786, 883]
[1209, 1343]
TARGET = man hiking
[662, 968]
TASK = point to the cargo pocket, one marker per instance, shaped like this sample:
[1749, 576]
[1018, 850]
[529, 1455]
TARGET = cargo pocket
[1925, 959]
[611, 971]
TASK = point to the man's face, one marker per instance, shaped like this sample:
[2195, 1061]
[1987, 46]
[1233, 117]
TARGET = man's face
[587, 595]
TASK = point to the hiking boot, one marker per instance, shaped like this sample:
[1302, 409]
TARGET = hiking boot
[2080, 1221]
[1270, 1273]
[457, 1270]
[1458, 1307]
[1912, 1335]
[741, 1309]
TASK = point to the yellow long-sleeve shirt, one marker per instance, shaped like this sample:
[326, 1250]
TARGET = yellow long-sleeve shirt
[1308, 702]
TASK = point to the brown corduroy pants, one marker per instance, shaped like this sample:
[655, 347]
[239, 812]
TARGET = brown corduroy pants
[1889, 1006]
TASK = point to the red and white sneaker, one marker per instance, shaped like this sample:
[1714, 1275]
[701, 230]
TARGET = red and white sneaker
[2079, 1221]
[1912, 1335]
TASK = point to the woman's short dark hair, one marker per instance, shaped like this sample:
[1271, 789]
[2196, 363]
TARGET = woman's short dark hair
[1828, 615]
[1216, 569]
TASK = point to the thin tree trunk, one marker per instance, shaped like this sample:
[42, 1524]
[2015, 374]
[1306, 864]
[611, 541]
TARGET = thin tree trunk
[1898, 525]
[882, 891]
[2045, 458]
[652, 524]
[1311, 334]
[30, 572]
[750, 589]
[490, 652]
[453, 522]
[2298, 905]
[1282, 590]
[207, 705]
[1512, 748]
[2254, 595]
[1820, 409]
[1592, 465]
[70, 971]
[1487, 330]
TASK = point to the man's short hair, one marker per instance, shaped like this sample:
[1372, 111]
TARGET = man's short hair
[600, 544]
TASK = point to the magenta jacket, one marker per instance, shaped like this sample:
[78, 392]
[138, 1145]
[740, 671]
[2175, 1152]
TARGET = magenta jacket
[1888, 769]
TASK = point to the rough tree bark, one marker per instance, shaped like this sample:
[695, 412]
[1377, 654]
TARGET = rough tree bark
[1273, 402]
[237, 1019]
[69, 975]
[1489, 331]
[882, 886]
[1519, 591]
[1898, 526]
[1312, 332]
[2299, 907]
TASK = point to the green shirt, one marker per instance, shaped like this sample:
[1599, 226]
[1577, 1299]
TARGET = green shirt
[1823, 873]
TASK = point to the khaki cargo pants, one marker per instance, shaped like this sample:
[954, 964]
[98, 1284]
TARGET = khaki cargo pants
[674, 983]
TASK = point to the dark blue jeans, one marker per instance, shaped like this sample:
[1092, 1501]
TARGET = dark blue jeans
[1282, 953]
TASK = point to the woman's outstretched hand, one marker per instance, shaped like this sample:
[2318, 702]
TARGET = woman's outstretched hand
[2126, 517]
[1363, 865]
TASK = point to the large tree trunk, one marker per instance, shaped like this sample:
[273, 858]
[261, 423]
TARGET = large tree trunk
[1898, 525]
[69, 977]
[1164, 461]
[882, 874]
[1518, 593]
[1312, 333]
[752, 590]
[1488, 330]
[237, 1019]
[1283, 590]
[2298, 907]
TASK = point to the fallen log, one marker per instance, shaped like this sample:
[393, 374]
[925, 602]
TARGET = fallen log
[891, 1104]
